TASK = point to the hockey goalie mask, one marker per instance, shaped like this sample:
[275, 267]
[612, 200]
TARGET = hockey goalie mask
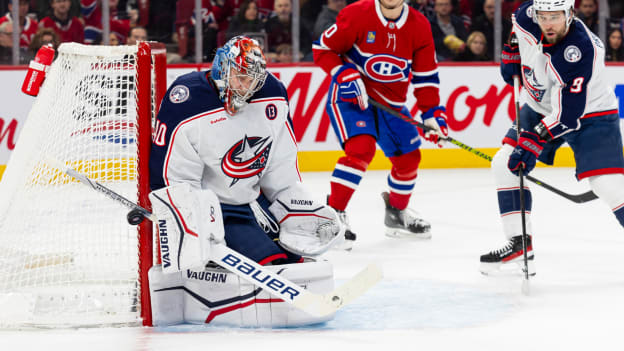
[239, 71]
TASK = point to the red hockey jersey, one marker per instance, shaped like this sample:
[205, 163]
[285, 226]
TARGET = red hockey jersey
[390, 54]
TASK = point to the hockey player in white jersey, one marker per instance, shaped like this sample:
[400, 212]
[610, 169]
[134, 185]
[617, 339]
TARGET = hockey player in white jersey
[224, 161]
[561, 63]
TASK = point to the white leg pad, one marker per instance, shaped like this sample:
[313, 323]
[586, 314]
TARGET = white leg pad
[218, 297]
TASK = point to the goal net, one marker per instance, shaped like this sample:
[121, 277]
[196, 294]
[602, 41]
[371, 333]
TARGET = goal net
[68, 257]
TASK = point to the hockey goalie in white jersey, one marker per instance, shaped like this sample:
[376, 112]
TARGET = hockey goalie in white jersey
[224, 164]
[561, 63]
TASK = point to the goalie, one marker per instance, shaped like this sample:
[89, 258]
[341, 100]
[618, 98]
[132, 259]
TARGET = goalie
[223, 169]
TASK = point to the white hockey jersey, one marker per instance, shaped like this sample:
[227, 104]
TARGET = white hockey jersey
[197, 142]
[565, 81]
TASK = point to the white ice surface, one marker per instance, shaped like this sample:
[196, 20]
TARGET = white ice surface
[432, 296]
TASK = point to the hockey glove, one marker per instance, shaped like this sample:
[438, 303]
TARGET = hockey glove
[525, 153]
[437, 129]
[510, 60]
[350, 86]
[307, 228]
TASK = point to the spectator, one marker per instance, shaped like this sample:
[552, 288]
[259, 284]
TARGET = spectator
[449, 33]
[588, 13]
[476, 48]
[283, 54]
[92, 12]
[485, 25]
[136, 34]
[161, 19]
[6, 45]
[44, 36]
[328, 15]
[615, 50]
[113, 39]
[278, 28]
[246, 21]
[425, 7]
[68, 29]
[28, 26]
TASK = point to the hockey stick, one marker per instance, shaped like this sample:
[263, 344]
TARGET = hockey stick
[239, 264]
[579, 198]
[525, 281]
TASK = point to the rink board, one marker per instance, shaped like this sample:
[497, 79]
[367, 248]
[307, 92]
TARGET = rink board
[479, 106]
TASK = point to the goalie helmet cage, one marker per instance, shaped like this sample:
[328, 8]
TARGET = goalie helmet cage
[68, 257]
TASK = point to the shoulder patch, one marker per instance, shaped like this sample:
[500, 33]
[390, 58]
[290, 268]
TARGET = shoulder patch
[179, 94]
[572, 54]
[529, 12]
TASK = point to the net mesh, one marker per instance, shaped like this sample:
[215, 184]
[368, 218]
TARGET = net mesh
[67, 255]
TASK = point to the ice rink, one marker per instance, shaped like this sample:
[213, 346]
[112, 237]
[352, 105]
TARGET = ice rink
[432, 296]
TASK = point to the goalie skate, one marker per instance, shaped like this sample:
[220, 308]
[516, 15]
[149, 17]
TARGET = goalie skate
[509, 259]
[404, 223]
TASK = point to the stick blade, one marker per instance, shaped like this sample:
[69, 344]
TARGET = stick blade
[357, 286]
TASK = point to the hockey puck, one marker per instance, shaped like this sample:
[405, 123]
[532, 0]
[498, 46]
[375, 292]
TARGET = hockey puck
[135, 217]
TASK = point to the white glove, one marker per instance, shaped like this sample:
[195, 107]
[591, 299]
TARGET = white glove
[307, 228]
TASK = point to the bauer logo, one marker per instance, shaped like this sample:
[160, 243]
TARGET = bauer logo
[266, 278]
[164, 243]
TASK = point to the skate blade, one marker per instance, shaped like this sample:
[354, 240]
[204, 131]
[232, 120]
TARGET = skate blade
[507, 269]
[406, 234]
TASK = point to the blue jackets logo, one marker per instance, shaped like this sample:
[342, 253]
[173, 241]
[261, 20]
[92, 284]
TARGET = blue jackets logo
[247, 158]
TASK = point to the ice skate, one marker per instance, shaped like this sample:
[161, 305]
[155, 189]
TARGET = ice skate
[349, 235]
[404, 223]
[509, 258]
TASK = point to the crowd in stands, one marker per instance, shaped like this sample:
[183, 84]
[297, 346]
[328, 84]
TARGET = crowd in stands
[463, 30]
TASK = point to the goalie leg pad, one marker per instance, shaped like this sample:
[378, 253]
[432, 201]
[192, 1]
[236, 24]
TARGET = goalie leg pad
[218, 297]
[188, 221]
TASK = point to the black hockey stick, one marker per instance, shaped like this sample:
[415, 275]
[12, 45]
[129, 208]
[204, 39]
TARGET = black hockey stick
[579, 198]
[525, 238]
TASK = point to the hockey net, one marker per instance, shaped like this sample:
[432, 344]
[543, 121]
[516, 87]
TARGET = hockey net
[68, 257]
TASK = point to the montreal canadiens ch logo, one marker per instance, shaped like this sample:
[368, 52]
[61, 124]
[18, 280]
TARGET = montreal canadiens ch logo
[247, 158]
[386, 68]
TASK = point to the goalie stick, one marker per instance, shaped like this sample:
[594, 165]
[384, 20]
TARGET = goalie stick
[578, 198]
[239, 264]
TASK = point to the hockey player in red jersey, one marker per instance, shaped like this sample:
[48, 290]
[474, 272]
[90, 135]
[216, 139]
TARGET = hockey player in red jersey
[376, 49]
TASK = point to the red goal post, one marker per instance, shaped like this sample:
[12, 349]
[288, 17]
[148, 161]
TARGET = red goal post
[67, 255]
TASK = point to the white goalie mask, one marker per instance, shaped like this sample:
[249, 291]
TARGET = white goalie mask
[239, 71]
[567, 6]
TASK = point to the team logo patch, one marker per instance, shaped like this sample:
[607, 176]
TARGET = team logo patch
[532, 86]
[370, 37]
[386, 68]
[178, 94]
[529, 12]
[360, 124]
[246, 158]
[572, 54]
[270, 111]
